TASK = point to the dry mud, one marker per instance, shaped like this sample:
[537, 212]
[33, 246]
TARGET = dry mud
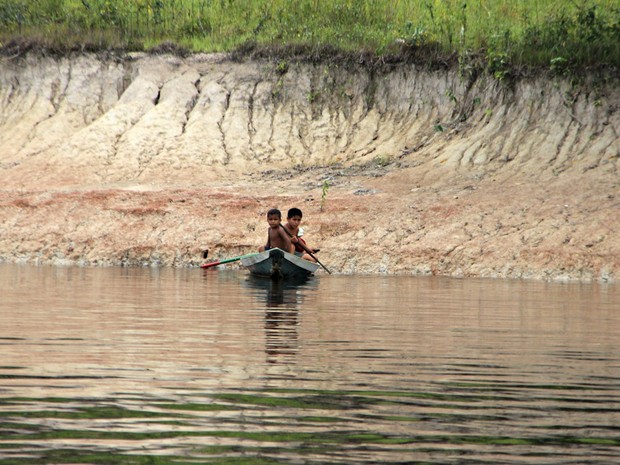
[150, 160]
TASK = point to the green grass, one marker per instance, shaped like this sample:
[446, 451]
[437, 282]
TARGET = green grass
[496, 35]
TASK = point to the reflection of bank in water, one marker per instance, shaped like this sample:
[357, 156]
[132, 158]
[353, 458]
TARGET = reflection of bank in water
[281, 338]
[283, 300]
[289, 293]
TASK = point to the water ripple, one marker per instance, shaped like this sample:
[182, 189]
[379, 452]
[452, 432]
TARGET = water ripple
[176, 366]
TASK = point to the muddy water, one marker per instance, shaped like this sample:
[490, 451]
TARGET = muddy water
[127, 365]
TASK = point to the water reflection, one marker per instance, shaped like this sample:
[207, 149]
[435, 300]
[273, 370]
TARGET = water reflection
[283, 301]
[276, 294]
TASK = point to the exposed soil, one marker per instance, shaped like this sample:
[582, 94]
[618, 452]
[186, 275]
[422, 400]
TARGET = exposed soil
[145, 160]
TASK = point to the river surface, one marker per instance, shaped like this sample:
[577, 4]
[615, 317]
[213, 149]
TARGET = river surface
[179, 366]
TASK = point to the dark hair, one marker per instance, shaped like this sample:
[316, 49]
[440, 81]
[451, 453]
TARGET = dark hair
[274, 211]
[294, 212]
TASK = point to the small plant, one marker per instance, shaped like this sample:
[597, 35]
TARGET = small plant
[276, 91]
[324, 189]
[559, 66]
[415, 36]
[382, 160]
[451, 96]
[468, 68]
[499, 65]
[312, 96]
[282, 67]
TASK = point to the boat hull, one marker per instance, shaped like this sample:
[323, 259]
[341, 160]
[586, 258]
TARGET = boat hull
[279, 265]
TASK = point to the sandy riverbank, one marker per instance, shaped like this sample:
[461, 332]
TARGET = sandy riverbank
[152, 159]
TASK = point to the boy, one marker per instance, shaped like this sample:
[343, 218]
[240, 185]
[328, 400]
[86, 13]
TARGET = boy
[276, 236]
[293, 220]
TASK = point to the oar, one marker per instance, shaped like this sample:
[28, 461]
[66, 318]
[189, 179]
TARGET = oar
[227, 260]
[303, 246]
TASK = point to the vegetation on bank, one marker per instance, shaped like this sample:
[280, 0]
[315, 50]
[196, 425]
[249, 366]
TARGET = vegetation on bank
[492, 35]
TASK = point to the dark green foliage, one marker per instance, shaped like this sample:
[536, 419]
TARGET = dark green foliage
[587, 37]
[500, 38]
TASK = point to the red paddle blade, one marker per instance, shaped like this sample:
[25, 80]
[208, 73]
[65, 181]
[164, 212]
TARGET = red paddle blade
[209, 265]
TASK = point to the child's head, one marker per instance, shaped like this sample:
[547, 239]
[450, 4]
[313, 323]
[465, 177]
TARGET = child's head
[274, 216]
[274, 212]
[293, 218]
[294, 212]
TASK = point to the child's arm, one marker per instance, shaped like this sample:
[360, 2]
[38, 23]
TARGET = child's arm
[285, 237]
[286, 240]
[267, 246]
[290, 233]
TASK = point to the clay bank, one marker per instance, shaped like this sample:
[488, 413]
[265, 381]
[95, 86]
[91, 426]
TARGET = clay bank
[150, 160]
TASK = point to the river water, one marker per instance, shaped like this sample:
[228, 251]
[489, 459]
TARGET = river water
[176, 366]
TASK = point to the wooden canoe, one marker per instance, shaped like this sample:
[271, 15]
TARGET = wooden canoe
[279, 265]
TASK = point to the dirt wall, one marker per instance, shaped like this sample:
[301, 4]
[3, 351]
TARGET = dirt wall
[153, 159]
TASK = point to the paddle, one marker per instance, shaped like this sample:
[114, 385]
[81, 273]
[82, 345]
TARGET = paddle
[308, 251]
[227, 260]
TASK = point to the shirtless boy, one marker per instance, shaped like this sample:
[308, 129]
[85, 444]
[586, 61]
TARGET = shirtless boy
[293, 220]
[276, 236]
